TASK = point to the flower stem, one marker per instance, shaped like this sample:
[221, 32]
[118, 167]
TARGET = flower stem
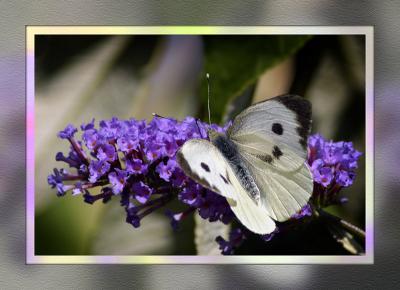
[157, 203]
[347, 225]
[187, 212]
[78, 149]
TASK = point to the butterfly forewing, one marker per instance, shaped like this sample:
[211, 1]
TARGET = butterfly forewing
[219, 177]
[275, 131]
[202, 162]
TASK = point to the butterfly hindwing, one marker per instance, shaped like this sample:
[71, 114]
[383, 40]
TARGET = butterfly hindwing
[282, 193]
[275, 131]
[219, 177]
[254, 217]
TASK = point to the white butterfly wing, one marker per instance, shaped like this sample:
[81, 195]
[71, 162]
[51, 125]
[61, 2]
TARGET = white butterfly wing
[254, 217]
[275, 131]
[282, 193]
[202, 161]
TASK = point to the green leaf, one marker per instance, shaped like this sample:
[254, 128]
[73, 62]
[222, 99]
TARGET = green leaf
[235, 63]
[237, 104]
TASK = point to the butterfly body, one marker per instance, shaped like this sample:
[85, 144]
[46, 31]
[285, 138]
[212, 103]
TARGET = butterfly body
[230, 152]
[259, 164]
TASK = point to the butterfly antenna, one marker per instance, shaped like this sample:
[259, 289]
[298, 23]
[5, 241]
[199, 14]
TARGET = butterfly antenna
[208, 98]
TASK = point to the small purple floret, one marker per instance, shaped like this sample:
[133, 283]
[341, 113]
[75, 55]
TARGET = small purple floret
[166, 170]
[141, 191]
[236, 237]
[132, 216]
[106, 152]
[305, 211]
[118, 179]
[68, 132]
[136, 166]
[175, 218]
[97, 169]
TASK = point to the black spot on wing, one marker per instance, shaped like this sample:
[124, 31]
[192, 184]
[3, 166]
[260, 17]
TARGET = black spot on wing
[193, 175]
[227, 177]
[277, 128]
[205, 166]
[302, 108]
[266, 158]
[277, 152]
[224, 179]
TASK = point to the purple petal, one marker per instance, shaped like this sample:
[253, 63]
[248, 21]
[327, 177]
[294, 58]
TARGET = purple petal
[68, 132]
[142, 192]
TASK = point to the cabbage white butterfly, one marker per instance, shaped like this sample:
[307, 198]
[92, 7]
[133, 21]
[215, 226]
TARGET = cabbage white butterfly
[259, 165]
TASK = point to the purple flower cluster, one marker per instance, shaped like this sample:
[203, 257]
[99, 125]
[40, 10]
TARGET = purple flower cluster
[236, 238]
[136, 161]
[333, 166]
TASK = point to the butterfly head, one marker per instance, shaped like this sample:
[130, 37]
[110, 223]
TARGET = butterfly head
[212, 134]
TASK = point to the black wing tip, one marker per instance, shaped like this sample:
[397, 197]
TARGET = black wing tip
[303, 110]
[301, 106]
[297, 104]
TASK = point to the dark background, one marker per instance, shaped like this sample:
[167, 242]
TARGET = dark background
[383, 15]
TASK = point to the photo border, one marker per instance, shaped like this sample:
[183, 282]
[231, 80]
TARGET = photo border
[32, 31]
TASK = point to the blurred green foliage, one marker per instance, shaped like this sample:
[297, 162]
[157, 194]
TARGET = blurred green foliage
[236, 62]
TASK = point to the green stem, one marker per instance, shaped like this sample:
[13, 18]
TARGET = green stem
[347, 225]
